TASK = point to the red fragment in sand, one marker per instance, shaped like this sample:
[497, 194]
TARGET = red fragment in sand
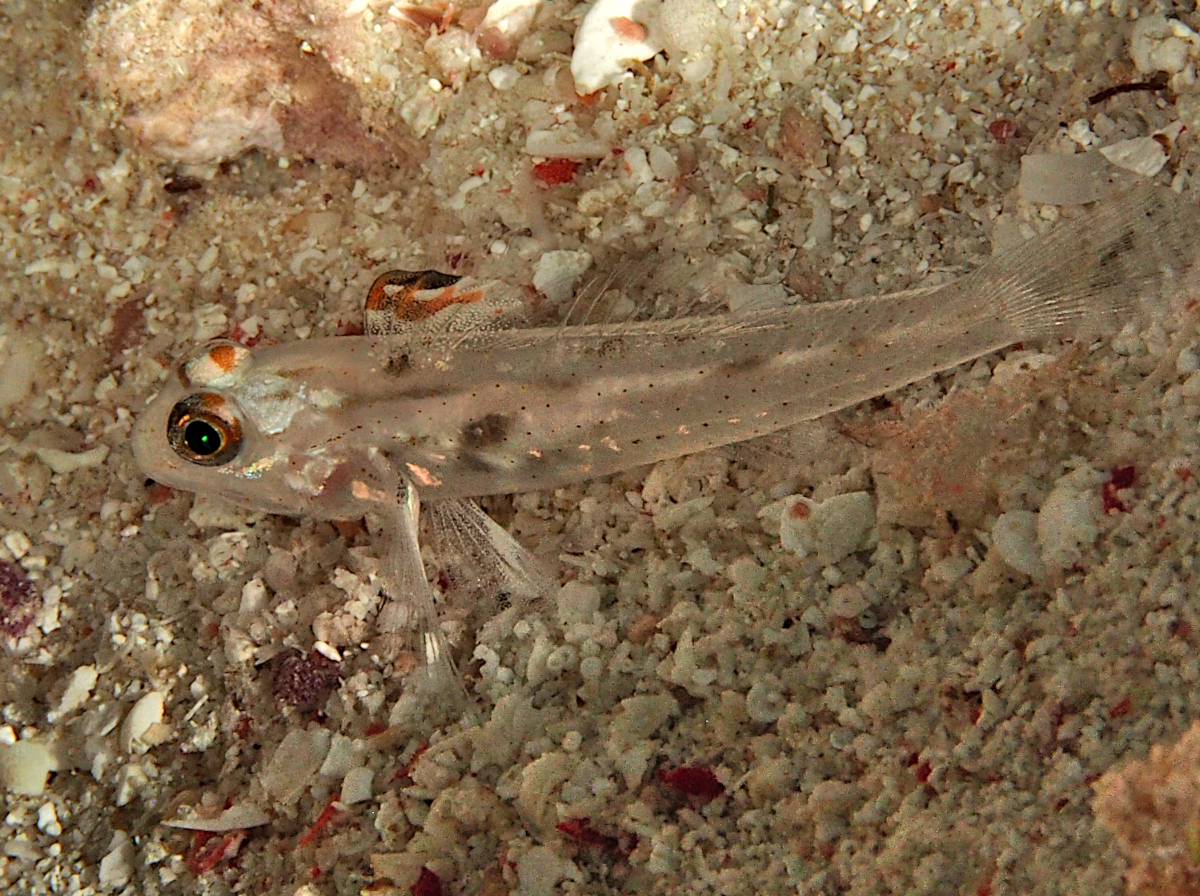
[800, 511]
[246, 337]
[581, 831]
[1002, 130]
[405, 770]
[328, 814]
[1119, 478]
[428, 884]
[208, 849]
[693, 780]
[556, 171]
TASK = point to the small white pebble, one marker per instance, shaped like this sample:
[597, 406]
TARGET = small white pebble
[856, 145]
[847, 43]
[682, 126]
[662, 163]
[327, 650]
[832, 529]
[1068, 521]
[25, 766]
[47, 821]
[116, 868]
[208, 259]
[1187, 362]
[1141, 155]
[356, 786]
[148, 711]
[18, 544]
[558, 271]
[591, 668]
[502, 77]
[608, 40]
[79, 688]
[1014, 535]
[1153, 46]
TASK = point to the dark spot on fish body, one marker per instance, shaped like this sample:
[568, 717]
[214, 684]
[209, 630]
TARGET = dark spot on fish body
[491, 429]
[611, 346]
[556, 384]
[744, 365]
[424, 393]
[475, 462]
[300, 373]
[397, 365]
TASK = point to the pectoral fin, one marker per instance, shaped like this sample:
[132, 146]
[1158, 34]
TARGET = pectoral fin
[411, 608]
[495, 566]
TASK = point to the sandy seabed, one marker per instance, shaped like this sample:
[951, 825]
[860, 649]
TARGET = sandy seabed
[699, 708]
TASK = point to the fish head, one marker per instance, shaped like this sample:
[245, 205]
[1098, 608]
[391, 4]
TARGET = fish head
[232, 424]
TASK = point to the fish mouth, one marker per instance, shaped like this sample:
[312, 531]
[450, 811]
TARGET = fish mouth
[148, 440]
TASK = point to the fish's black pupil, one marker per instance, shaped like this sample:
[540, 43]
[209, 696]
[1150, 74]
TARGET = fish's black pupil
[202, 438]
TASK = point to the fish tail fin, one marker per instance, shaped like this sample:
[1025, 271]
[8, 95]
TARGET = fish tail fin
[1092, 274]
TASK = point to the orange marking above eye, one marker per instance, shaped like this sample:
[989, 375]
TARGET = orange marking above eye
[397, 292]
[224, 356]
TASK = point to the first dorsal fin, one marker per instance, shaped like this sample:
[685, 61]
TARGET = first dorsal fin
[398, 299]
[437, 311]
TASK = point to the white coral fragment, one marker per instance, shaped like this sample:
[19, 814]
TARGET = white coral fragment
[144, 715]
[1158, 45]
[1141, 155]
[511, 19]
[1014, 536]
[609, 38]
[1069, 518]
[79, 688]
[558, 271]
[235, 818]
[832, 529]
[25, 766]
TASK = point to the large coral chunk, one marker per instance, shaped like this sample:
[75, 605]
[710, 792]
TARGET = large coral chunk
[1153, 810]
[199, 81]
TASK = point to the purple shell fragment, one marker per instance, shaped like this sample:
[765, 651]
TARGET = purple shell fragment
[18, 600]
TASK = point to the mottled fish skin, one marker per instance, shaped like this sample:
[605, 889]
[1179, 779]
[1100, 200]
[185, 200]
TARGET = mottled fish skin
[464, 408]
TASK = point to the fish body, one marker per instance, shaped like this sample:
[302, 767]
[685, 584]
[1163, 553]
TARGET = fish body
[517, 410]
[466, 408]
[443, 400]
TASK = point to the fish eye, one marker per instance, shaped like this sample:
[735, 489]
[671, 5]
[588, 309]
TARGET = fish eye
[203, 431]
